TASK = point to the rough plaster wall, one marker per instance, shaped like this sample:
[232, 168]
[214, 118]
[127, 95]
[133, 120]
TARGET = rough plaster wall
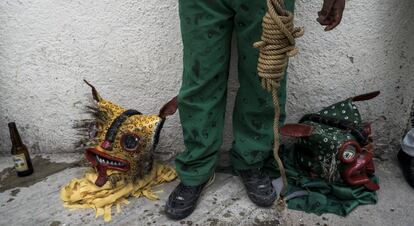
[131, 51]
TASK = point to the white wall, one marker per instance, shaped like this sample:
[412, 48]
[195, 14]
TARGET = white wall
[131, 51]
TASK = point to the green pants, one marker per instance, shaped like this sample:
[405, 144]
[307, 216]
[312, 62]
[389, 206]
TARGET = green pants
[207, 27]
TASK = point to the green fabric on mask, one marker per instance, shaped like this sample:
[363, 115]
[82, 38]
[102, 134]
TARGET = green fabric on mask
[324, 197]
[318, 154]
[320, 150]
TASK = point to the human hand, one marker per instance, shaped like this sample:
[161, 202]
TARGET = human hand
[331, 13]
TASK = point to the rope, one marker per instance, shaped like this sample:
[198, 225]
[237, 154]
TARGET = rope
[276, 46]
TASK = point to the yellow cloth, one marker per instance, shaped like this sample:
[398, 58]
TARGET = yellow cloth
[83, 193]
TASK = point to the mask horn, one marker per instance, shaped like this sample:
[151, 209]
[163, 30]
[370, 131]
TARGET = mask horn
[367, 96]
[169, 108]
[296, 130]
[95, 93]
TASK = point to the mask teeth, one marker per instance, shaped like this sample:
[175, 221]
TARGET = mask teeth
[108, 162]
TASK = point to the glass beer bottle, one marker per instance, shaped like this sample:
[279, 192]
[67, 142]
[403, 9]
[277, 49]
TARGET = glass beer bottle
[21, 157]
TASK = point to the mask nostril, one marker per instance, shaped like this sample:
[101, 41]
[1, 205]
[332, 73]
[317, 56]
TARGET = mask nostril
[106, 144]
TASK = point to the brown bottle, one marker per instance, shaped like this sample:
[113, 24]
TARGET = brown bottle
[21, 157]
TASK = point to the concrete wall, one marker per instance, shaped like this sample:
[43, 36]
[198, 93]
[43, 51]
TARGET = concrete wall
[131, 51]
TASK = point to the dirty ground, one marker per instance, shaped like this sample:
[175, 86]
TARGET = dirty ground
[35, 201]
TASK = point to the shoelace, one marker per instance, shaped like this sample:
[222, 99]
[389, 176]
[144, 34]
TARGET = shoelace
[182, 190]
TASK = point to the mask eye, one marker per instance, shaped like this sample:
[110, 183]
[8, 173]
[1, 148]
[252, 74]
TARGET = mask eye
[130, 142]
[349, 151]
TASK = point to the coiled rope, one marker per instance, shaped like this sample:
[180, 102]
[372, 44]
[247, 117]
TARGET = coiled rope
[276, 46]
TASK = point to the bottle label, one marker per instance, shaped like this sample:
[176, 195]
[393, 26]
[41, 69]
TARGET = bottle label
[20, 163]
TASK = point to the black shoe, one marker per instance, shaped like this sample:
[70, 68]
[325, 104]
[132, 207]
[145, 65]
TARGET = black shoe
[258, 186]
[407, 166]
[183, 200]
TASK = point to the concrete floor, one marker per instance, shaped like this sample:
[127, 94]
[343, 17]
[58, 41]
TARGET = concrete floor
[224, 203]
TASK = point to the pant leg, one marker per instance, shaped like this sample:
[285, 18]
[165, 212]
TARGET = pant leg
[254, 111]
[206, 28]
